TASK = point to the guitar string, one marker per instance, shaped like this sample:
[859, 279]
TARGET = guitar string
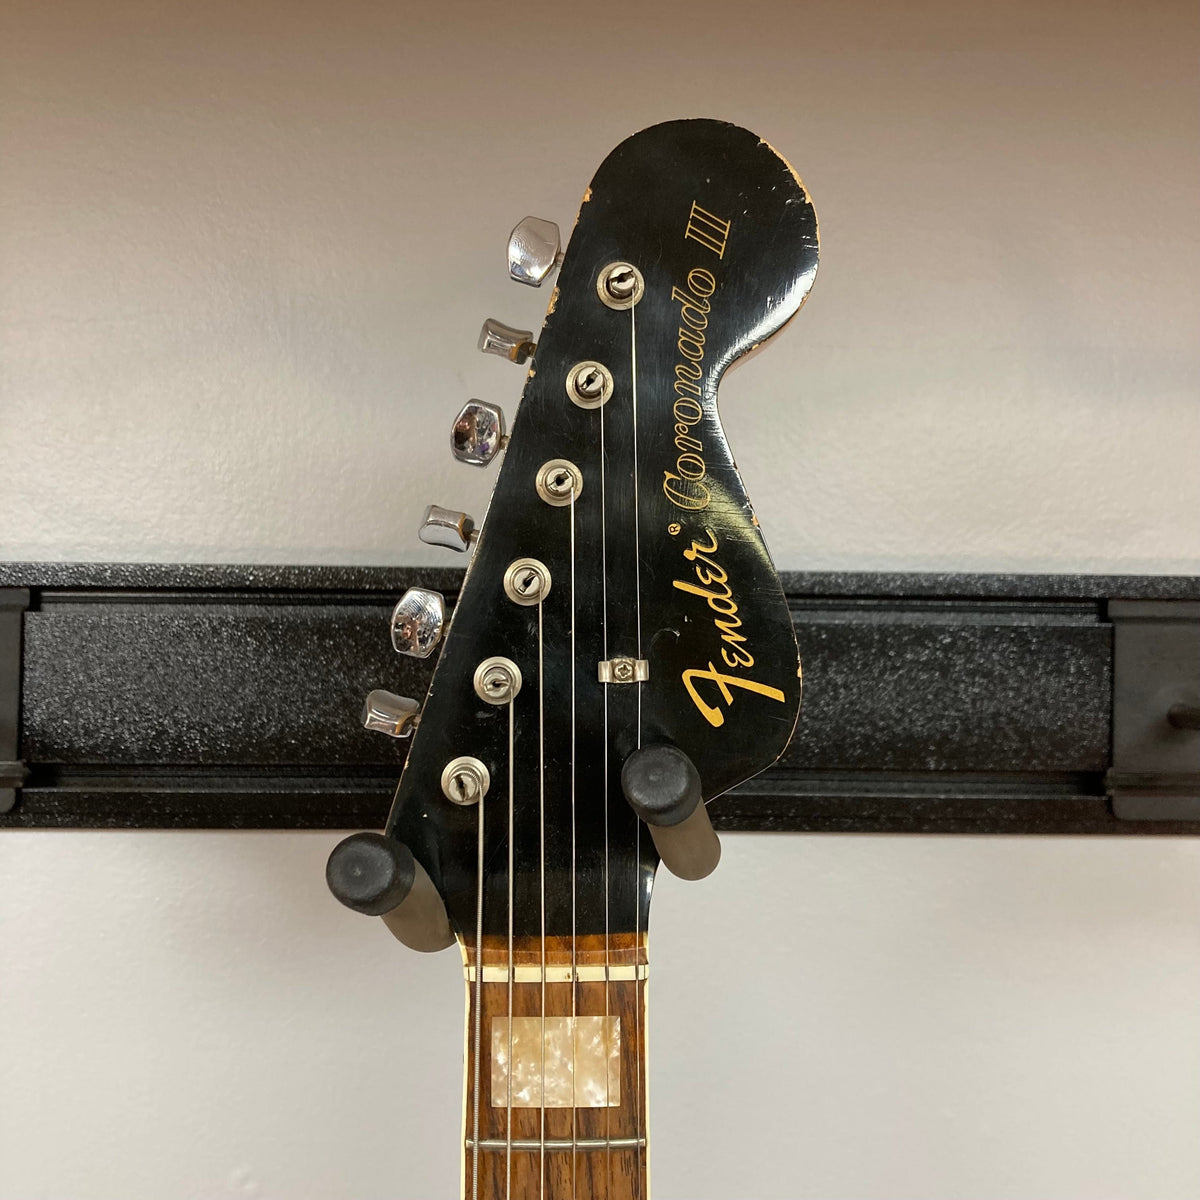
[508, 1138]
[542, 884]
[574, 952]
[478, 998]
[637, 857]
[604, 801]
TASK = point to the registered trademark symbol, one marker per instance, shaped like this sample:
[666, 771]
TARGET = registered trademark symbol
[673, 528]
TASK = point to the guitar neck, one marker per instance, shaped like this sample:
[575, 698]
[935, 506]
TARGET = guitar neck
[621, 651]
[555, 1099]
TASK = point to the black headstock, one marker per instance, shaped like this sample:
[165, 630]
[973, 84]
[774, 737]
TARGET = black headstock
[656, 561]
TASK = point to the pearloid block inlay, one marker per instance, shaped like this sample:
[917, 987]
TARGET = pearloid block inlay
[582, 1062]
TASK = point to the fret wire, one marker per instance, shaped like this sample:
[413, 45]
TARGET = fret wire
[560, 973]
[533, 1145]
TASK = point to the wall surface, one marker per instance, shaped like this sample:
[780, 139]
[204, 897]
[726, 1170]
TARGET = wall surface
[244, 254]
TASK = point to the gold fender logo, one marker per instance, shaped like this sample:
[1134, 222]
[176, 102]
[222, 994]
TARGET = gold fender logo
[712, 585]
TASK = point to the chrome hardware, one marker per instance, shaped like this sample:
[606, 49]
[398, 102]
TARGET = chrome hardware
[465, 780]
[514, 344]
[385, 712]
[534, 250]
[527, 581]
[589, 384]
[623, 670]
[620, 285]
[478, 434]
[445, 527]
[504, 1145]
[497, 680]
[417, 622]
[559, 482]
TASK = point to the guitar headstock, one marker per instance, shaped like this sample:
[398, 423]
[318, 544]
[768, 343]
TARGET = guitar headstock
[620, 597]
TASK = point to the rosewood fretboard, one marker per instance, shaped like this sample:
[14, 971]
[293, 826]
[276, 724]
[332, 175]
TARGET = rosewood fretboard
[595, 1149]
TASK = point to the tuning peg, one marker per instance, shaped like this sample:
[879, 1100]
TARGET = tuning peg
[379, 876]
[662, 786]
[445, 527]
[384, 712]
[514, 344]
[417, 622]
[534, 250]
[478, 434]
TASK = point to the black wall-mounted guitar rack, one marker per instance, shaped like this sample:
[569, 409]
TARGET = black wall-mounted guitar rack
[147, 696]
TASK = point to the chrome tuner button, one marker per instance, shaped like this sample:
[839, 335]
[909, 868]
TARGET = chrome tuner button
[514, 344]
[384, 712]
[445, 527]
[417, 622]
[534, 250]
[478, 434]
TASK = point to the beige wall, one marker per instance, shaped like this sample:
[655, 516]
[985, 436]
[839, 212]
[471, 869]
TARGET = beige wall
[244, 253]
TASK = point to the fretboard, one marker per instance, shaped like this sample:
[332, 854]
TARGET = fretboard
[560, 1108]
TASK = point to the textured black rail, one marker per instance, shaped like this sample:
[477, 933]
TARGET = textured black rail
[228, 697]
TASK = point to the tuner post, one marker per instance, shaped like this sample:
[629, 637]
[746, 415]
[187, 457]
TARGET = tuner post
[662, 786]
[379, 876]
